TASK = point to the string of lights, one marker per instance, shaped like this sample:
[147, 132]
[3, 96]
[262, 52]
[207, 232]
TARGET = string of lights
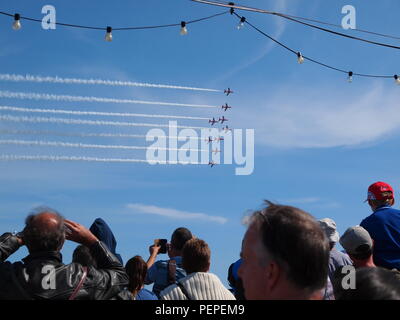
[301, 58]
[297, 20]
[17, 25]
[183, 31]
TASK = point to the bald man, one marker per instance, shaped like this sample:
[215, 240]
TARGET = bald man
[42, 274]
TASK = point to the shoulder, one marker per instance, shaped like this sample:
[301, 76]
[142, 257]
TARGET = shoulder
[160, 264]
[221, 291]
[368, 221]
[208, 276]
[145, 294]
[208, 279]
[338, 255]
[170, 293]
[380, 216]
[392, 211]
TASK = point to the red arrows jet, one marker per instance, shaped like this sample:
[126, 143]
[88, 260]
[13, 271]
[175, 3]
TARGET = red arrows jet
[228, 91]
[223, 119]
[213, 121]
[226, 107]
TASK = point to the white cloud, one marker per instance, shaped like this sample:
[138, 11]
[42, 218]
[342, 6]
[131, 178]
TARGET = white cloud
[302, 117]
[173, 213]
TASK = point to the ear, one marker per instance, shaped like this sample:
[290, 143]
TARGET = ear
[274, 274]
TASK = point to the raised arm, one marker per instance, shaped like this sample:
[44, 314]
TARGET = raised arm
[9, 243]
[110, 277]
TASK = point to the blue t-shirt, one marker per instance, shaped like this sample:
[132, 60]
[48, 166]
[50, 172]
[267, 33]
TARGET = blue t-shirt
[145, 294]
[384, 228]
[158, 274]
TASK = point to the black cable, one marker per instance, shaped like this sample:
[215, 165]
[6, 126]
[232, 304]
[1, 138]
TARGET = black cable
[6, 14]
[231, 6]
[119, 29]
[322, 22]
[57, 23]
[340, 27]
[310, 59]
[297, 21]
[268, 36]
[173, 25]
[339, 33]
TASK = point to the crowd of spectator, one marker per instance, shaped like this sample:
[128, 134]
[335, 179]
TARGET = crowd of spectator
[286, 254]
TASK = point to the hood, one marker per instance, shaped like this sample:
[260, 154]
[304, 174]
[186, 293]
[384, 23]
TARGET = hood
[103, 232]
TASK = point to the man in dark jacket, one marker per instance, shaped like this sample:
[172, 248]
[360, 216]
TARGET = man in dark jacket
[42, 275]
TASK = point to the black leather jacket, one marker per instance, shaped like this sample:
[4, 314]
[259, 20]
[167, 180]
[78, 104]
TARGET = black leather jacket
[44, 276]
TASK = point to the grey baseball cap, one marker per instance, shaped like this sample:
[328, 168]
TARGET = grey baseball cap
[329, 227]
[354, 237]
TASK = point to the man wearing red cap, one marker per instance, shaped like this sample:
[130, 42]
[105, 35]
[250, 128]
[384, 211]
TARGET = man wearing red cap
[383, 225]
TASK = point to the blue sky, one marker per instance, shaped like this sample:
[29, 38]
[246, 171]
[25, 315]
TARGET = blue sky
[320, 141]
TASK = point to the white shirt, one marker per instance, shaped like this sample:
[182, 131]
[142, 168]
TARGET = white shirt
[199, 286]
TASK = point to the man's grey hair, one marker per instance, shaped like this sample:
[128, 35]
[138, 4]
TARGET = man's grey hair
[294, 240]
[263, 254]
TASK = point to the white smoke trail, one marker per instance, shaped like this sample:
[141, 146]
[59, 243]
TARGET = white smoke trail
[83, 135]
[87, 159]
[95, 113]
[86, 146]
[48, 79]
[90, 122]
[57, 97]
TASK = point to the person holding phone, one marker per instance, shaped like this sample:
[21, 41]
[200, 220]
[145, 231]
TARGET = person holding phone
[163, 273]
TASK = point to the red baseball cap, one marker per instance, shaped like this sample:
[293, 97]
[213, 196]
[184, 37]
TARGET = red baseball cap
[380, 191]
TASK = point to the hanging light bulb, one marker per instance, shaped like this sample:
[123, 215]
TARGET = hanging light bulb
[183, 29]
[350, 77]
[17, 22]
[397, 79]
[109, 36]
[241, 23]
[300, 58]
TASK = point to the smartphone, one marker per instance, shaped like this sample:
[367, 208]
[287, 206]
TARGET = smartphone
[163, 244]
